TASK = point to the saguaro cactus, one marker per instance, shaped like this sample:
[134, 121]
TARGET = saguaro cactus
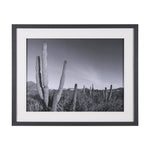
[42, 75]
[84, 89]
[90, 90]
[92, 87]
[106, 95]
[45, 73]
[75, 97]
[38, 77]
[110, 93]
[60, 89]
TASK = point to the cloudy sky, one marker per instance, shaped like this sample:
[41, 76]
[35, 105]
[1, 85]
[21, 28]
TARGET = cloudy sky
[97, 61]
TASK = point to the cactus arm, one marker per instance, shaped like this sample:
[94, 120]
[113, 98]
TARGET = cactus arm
[62, 80]
[60, 89]
[84, 89]
[92, 87]
[38, 77]
[105, 93]
[90, 90]
[41, 77]
[110, 93]
[75, 97]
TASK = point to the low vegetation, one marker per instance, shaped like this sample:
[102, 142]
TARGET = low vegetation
[85, 101]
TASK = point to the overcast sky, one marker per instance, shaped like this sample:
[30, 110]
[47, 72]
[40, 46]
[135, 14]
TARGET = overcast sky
[97, 61]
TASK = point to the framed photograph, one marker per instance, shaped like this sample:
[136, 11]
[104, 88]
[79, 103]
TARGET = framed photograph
[75, 75]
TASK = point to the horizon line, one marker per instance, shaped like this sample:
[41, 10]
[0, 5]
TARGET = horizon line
[79, 88]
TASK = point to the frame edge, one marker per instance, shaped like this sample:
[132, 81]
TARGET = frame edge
[14, 75]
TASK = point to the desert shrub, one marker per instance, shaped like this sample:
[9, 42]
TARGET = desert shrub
[34, 103]
[85, 101]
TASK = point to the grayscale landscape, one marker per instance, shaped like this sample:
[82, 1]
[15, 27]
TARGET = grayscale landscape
[75, 75]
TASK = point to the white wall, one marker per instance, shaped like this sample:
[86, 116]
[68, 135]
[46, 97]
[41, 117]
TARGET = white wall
[74, 12]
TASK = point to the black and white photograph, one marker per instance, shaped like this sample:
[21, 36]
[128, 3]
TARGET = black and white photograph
[75, 75]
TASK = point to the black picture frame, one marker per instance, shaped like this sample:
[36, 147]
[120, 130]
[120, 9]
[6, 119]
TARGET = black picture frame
[52, 26]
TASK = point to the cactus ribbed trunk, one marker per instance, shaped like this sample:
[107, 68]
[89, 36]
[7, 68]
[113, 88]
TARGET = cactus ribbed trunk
[60, 89]
[45, 74]
[38, 77]
[41, 78]
[110, 93]
[75, 97]
[42, 75]
[92, 87]
[105, 94]
[90, 90]
[83, 89]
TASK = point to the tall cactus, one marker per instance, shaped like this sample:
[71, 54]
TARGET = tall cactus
[92, 87]
[45, 74]
[38, 77]
[106, 95]
[110, 93]
[42, 75]
[60, 89]
[90, 91]
[75, 97]
[84, 89]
